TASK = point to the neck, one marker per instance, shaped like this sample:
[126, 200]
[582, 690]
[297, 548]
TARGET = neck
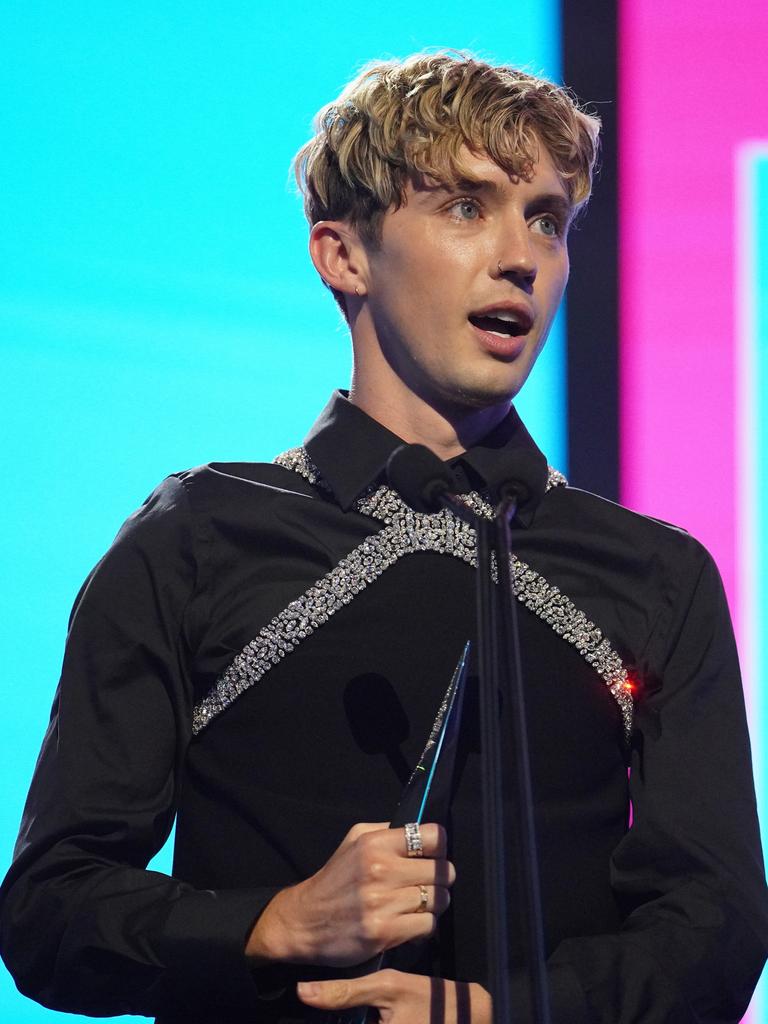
[445, 429]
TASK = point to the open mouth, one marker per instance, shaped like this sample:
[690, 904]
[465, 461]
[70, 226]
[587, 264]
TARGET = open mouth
[507, 326]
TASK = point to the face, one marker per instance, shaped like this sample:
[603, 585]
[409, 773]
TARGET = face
[454, 329]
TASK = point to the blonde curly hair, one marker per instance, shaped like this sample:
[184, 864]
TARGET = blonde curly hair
[401, 118]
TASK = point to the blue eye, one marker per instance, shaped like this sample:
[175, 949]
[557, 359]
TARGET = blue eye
[549, 226]
[466, 205]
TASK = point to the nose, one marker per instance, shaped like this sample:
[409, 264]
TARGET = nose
[518, 260]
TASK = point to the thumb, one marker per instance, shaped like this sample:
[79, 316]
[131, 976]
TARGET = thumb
[370, 990]
[329, 995]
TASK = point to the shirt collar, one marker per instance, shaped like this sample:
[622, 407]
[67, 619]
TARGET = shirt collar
[350, 449]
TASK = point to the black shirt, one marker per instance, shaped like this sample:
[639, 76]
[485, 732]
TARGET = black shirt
[262, 652]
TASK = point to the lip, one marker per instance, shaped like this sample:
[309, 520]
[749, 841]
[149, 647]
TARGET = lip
[511, 346]
[518, 309]
[506, 348]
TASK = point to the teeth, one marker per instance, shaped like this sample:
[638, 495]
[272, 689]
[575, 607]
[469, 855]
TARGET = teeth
[517, 323]
[510, 318]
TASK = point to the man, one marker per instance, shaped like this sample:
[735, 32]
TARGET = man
[263, 650]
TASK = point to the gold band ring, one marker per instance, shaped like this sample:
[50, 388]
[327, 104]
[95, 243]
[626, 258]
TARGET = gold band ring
[423, 898]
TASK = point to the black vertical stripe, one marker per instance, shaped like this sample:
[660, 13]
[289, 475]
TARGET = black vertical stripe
[589, 68]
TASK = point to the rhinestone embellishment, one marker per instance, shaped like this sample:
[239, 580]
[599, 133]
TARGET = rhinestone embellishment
[406, 532]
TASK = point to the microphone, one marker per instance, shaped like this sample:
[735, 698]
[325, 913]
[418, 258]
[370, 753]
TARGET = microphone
[515, 490]
[422, 479]
[426, 484]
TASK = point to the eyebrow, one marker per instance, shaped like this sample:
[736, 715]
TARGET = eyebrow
[555, 202]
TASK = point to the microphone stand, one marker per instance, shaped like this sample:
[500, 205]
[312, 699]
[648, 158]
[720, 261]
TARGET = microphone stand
[416, 471]
[489, 670]
[510, 682]
[500, 673]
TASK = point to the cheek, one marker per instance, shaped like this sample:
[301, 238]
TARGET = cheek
[431, 260]
[420, 288]
[400, 275]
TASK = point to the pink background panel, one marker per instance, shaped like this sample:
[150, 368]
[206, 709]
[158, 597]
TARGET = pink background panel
[693, 84]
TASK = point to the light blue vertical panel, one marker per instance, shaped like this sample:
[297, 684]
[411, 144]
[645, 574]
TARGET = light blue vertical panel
[543, 401]
[753, 401]
[157, 305]
[752, 462]
[760, 285]
[757, 466]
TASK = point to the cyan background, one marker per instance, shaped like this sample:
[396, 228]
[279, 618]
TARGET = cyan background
[157, 305]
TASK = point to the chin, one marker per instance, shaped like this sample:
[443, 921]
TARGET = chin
[482, 394]
[470, 391]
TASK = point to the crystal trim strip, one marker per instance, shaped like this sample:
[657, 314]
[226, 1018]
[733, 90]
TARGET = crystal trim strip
[406, 532]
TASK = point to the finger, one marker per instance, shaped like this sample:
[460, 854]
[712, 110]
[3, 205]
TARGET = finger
[423, 872]
[378, 989]
[392, 840]
[421, 899]
[434, 840]
[362, 828]
[412, 927]
[399, 919]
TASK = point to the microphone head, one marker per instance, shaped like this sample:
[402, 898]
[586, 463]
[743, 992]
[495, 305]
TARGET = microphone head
[419, 477]
[511, 488]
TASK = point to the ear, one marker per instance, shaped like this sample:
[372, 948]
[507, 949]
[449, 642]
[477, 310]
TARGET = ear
[339, 256]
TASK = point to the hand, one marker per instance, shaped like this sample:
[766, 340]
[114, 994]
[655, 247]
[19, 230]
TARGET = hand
[364, 900]
[403, 998]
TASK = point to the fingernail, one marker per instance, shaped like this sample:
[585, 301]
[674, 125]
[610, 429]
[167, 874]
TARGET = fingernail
[308, 989]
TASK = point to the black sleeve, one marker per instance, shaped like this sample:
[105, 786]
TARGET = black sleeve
[85, 927]
[689, 873]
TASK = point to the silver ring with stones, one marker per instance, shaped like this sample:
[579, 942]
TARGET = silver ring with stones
[413, 844]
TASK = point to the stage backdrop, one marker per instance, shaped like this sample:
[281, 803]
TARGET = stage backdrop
[158, 308]
[694, 301]
[157, 305]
